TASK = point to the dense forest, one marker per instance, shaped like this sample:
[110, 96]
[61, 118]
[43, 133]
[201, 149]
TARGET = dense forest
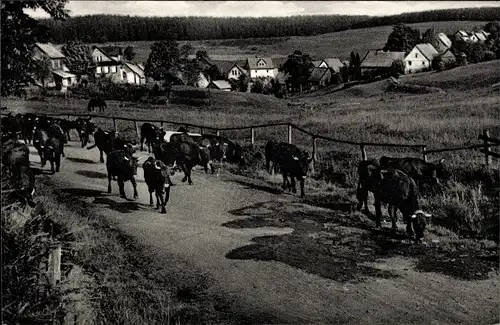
[113, 28]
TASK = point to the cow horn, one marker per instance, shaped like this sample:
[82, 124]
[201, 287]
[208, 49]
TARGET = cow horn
[295, 158]
[441, 161]
[32, 191]
[126, 158]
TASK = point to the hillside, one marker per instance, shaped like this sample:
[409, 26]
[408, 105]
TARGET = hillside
[338, 44]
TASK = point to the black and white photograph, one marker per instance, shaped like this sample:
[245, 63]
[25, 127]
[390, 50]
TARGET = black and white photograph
[250, 162]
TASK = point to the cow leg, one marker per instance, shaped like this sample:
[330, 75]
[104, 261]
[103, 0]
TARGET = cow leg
[190, 182]
[211, 167]
[121, 187]
[285, 181]
[52, 166]
[101, 158]
[378, 211]
[409, 229]
[109, 181]
[302, 194]
[150, 197]
[362, 196]
[293, 185]
[392, 210]
[134, 185]
[158, 195]
[142, 143]
[58, 161]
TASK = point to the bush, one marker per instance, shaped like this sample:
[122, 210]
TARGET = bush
[257, 87]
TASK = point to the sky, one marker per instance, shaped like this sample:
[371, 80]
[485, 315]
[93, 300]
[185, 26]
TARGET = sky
[259, 8]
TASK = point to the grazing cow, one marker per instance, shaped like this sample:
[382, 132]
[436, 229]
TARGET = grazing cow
[150, 133]
[294, 162]
[157, 178]
[39, 139]
[188, 155]
[397, 189]
[52, 153]
[223, 149]
[184, 137]
[121, 164]
[422, 172]
[96, 103]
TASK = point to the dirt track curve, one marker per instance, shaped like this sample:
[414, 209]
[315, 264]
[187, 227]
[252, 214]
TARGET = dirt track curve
[198, 228]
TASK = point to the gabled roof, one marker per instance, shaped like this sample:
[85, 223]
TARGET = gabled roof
[111, 50]
[447, 54]
[252, 63]
[221, 84]
[480, 36]
[316, 63]
[380, 59]
[462, 33]
[245, 72]
[135, 69]
[279, 61]
[317, 74]
[334, 63]
[427, 50]
[444, 39]
[50, 50]
[225, 66]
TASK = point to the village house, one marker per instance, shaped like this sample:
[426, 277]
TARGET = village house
[220, 85]
[60, 73]
[420, 58]
[236, 71]
[202, 81]
[447, 57]
[110, 64]
[320, 77]
[261, 68]
[442, 42]
[331, 63]
[379, 60]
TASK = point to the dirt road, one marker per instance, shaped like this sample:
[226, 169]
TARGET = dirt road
[212, 224]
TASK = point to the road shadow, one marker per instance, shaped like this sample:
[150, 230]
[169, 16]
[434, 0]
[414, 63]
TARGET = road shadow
[82, 192]
[39, 171]
[258, 187]
[91, 174]
[346, 246]
[128, 206]
[81, 160]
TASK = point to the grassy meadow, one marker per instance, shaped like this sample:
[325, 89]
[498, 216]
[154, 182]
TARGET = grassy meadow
[339, 44]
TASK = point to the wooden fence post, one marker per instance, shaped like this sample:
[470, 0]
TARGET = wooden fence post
[137, 131]
[487, 156]
[424, 153]
[363, 152]
[201, 130]
[161, 124]
[314, 155]
[290, 133]
[54, 268]
[252, 134]
[114, 125]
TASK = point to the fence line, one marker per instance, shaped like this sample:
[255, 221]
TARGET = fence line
[485, 148]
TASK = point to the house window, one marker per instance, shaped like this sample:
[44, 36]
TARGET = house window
[409, 62]
[423, 63]
[56, 64]
[105, 69]
[98, 69]
[267, 71]
[113, 69]
[416, 54]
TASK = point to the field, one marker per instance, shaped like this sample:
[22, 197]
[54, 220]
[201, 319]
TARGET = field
[339, 44]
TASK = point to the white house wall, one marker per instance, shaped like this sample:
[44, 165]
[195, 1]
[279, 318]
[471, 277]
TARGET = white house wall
[234, 73]
[263, 73]
[99, 56]
[415, 61]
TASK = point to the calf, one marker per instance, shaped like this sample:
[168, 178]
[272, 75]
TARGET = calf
[223, 149]
[271, 157]
[39, 139]
[85, 128]
[121, 164]
[294, 162]
[157, 178]
[104, 141]
[150, 133]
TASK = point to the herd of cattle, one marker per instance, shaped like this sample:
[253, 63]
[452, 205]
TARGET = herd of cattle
[397, 182]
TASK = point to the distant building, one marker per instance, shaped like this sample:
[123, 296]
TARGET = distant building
[320, 77]
[420, 58]
[261, 68]
[60, 73]
[219, 84]
[236, 71]
[110, 64]
[380, 60]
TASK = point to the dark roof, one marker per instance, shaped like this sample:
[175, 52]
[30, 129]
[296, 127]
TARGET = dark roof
[427, 50]
[317, 74]
[225, 66]
[111, 50]
[244, 71]
[252, 63]
[381, 59]
[49, 50]
[220, 84]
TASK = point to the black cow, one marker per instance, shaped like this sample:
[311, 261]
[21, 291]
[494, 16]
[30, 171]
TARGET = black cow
[85, 128]
[66, 127]
[157, 178]
[397, 189]
[52, 153]
[223, 149]
[39, 139]
[121, 164]
[55, 131]
[421, 171]
[188, 155]
[150, 133]
[291, 161]
[96, 103]
[271, 157]
[29, 122]
[104, 141]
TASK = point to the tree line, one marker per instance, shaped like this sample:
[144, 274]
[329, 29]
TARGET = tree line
[114, 28]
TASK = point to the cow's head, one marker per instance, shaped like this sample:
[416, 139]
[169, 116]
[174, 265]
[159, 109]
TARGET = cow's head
[441, 172]
[419, 220]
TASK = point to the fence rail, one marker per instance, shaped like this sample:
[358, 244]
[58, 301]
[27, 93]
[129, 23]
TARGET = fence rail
[485, 147]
